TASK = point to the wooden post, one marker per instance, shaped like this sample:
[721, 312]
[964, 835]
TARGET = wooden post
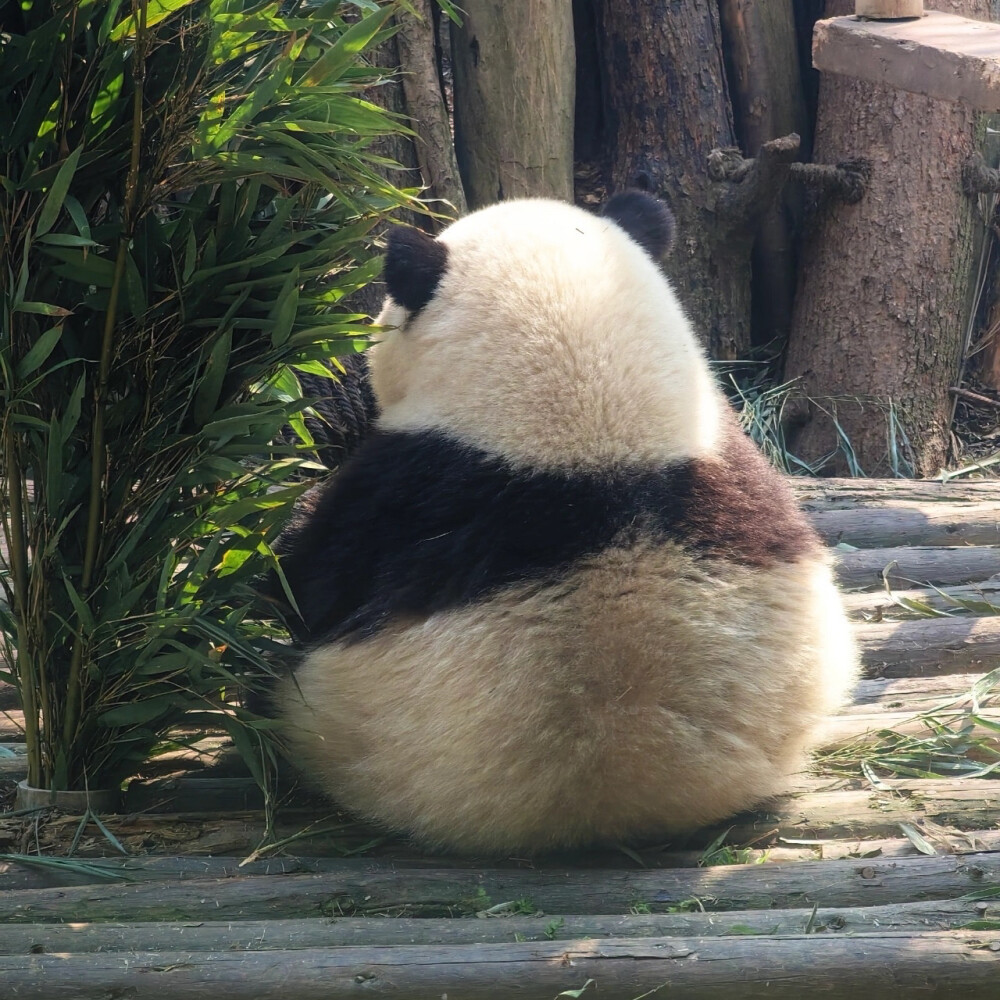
[888, 10]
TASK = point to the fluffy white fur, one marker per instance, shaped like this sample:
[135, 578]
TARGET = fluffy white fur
[553, 340]
[650, 692]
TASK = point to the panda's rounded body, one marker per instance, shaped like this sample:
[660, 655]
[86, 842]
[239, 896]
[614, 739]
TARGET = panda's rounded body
[557, 597]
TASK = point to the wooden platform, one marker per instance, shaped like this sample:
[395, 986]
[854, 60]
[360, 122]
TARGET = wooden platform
[879, 872]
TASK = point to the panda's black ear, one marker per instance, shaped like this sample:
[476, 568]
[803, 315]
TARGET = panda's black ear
[414, 264]
[645, 218]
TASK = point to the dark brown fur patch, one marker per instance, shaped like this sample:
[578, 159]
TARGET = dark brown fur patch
[741, 509]
[416, 523]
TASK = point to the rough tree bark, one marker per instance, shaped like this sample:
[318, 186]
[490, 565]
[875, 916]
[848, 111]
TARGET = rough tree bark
[426, 107]
[765, 84]
[514, 67]
[666, 108]
[884, 285]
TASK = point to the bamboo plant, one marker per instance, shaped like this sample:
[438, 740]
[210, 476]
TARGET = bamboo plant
[187, 192]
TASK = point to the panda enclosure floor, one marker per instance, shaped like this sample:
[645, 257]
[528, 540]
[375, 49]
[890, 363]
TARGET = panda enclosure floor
[868, 876]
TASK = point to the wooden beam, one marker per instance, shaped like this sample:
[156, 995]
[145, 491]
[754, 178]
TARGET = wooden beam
[372, 887]
[944, 56]
[937, 565]
[340, 932]
[929, 646]
[936, 965]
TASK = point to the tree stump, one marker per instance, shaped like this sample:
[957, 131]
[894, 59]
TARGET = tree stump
[886, 285]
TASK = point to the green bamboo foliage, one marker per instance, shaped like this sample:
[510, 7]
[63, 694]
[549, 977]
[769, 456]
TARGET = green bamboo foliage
[188, 192]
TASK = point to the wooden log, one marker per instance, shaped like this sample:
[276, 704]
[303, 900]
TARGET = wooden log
[864, 606]
[899, 523]
[908, 317]
[664, 108]
[847, 494]
[943, 840]
[765, 82]
[942, 964]
[845, 729]
[369, 888]
[865, 813]
[929, 646]
[937, 565]
[340, 932]
[910, 694]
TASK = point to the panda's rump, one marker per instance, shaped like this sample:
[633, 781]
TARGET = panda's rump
[647, 690]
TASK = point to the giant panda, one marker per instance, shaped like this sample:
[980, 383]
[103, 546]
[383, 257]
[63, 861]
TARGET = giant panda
[556, 598]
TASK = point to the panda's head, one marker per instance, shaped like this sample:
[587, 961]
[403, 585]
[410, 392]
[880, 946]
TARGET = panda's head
[541, 333]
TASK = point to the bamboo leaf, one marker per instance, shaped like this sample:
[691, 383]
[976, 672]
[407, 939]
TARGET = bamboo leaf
[286, 309]
[39, 352]
[57, 193]
[156, 11]
[216, 367]
[331, 65]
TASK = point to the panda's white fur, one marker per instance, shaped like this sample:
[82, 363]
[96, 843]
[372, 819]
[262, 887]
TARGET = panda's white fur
[553, 340]
[655, 685]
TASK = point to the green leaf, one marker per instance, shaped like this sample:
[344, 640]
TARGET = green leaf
[57, 193]
[576, 994]
[156, 11]
[39, 352]
[138, 713]
[42, 309]
[286, 309]
[216, 366]
[332, 64]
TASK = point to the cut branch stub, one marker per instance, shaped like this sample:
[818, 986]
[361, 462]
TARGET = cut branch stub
[978, 178]
[846, 181]
[753, 185]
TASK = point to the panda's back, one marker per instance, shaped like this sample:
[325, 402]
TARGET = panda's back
[530, 659]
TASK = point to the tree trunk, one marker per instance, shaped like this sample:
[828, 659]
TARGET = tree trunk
[885, 285]
[514, 68]
[666, 107]
[426, 108]
[768, 101]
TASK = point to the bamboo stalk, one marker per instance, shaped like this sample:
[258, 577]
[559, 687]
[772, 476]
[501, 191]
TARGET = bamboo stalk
[26, 671]
[98, 458]
[939, 965]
